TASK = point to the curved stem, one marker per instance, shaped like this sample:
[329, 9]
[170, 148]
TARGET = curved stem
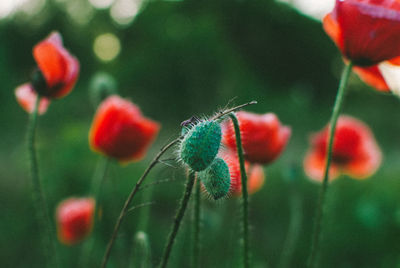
[143, 177]
[178, 219]
[196, 226]
[129, 199]
[39, 199]
[324, 187]
[245, 222]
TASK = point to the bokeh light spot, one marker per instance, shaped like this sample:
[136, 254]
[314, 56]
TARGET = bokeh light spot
[101, 4]
[107, 46]
[124, 11]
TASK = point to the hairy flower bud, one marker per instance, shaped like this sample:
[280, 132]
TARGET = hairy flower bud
[200, 145]
[216, 178]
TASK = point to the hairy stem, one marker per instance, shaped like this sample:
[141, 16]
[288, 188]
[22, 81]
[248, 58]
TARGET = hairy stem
[178, 219]
[39, 199]
[324, 187]
[196, 226]
[245, 204]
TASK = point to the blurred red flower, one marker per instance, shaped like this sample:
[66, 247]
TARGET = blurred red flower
[366, 32]
[74, 218]
[26, 97]
[57, 66]
[119, 130]
[55, 77]
[263, 137]
[355, 151]
[255, 174]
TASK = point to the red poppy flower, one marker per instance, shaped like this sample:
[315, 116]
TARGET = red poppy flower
[119, 130]
[57, 66]
[74, 218]
[55, 78]
[366, 31]
[26, 97]
[263, 136]
[355, 151]
[255, 174]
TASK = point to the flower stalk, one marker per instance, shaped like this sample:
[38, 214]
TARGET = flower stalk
[178, 219]
[39, 199]
[322, 195]
[245, 203]
[196, 226]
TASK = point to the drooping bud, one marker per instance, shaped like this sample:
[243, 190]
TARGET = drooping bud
[216, 178]
[200, 145]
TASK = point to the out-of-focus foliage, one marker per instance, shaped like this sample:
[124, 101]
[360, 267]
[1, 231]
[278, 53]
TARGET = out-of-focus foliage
[176, 59]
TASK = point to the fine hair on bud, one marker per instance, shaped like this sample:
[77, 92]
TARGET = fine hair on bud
[200, 145]
[216, 179]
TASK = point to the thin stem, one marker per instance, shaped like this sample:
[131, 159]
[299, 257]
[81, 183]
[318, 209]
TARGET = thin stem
[245, 204]
[129, 199]
[99, 175]
[196, 226]
[296, 208]
[143, 177]
[324, 187]
[39, 199]
[178, 219]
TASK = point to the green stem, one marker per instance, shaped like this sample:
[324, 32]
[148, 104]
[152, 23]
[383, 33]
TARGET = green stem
[324, 187]
[97, 182]
[245, 223]
[99, 176]
[196, 226]
[39, 199]
[296, 210]
[178, 219]
[132, 194]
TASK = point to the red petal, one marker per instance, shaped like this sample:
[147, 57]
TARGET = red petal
[314, 167]
[369, 30]
[372, 76]
[119, 130]
[255, 174]
[74, 219]
[331, 27]
[26, 97]
[263, 137]
[58, 67]
[355, 151]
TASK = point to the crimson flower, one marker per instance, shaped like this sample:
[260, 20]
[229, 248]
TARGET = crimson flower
[57, 70]
[26, 97]
[355, 151]
[255, 174]
[263, 136]
[366, 32]
[119, 130]
[74, 218]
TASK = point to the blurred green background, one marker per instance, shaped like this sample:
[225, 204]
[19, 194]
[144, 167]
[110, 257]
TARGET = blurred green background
[176, 59]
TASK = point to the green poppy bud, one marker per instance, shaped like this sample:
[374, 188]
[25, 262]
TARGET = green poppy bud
[216, 178]
[200, 145]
